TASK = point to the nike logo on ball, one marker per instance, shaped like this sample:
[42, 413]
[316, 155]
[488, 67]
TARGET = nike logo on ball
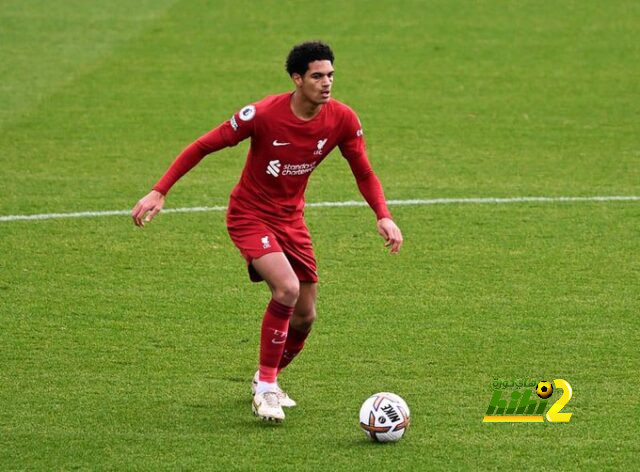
[278, 143]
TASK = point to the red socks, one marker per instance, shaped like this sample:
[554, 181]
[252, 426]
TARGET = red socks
[294, 344]
[273, 337]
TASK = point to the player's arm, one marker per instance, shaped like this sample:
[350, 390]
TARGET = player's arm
[353, 149]
[371, 189]
[227, 134]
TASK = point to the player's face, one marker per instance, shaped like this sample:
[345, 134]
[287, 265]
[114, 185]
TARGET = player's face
[316, 83]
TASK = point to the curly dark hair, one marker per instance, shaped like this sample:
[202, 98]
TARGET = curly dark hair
[301, 55]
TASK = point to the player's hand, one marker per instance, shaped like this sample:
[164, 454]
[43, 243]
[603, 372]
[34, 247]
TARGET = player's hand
[147, 207]
[391, 234]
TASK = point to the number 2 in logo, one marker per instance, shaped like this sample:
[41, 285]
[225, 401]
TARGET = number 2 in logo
[554, 414]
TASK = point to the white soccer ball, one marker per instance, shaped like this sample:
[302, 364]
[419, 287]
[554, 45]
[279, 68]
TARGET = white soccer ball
[384, 417]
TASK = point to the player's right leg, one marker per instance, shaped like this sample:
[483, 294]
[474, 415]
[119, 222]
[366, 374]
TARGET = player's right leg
[276, 270]
[304, 314]
[261, 248]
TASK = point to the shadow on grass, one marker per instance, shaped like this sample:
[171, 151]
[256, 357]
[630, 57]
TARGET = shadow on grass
[236, 415]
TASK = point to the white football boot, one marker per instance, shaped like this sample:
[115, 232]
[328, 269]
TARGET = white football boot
[267, 407]
[285, 400]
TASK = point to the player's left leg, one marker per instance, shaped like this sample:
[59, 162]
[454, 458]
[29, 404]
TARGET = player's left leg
[304, 315]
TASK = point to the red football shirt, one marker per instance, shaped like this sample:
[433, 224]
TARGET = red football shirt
[284, 151]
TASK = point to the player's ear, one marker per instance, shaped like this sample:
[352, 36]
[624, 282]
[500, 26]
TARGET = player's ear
[297, 79]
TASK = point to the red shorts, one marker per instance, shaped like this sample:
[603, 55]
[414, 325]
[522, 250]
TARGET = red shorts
[254, 236]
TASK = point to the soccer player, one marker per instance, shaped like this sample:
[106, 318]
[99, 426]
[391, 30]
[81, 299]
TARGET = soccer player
[291, 134]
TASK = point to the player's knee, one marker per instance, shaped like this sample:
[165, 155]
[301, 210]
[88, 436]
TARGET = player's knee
[291, 290]
[287, 292]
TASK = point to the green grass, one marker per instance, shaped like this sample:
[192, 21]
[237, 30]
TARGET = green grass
[130, 349]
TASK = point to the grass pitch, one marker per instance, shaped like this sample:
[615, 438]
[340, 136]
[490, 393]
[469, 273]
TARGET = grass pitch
[130, 349]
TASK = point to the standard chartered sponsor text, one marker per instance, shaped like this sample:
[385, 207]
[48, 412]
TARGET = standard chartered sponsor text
[298, 169]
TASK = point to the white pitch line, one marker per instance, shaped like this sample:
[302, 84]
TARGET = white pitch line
[350, 203]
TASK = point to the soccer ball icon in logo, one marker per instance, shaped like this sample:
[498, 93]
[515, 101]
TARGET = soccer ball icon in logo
[544, 389]
[384, 417]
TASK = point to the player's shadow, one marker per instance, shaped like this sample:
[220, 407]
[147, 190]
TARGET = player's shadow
[202, 416]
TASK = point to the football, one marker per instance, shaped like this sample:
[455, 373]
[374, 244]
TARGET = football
[544, 389]
[384, 417]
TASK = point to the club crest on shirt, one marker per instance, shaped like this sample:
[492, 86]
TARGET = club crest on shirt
[320, 145]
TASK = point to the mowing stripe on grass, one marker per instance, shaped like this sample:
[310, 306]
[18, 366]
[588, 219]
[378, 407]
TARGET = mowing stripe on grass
[349, 203]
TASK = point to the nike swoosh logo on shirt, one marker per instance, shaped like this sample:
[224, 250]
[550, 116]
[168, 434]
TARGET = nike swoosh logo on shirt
[278, 143]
